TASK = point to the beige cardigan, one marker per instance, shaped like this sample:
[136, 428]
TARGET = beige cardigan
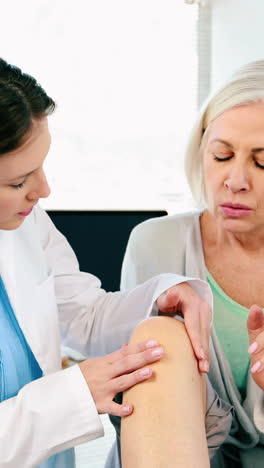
[173, 244]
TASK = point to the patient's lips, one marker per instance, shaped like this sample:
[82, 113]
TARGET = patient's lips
[235, 210]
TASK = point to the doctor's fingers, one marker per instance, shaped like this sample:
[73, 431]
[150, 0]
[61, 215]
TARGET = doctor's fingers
[132, 348]
[175, 297]
[99, 371]
[120, 384]
[103, 389]
[197, 314]
[197, 318]
[205, 327]
[131, 362]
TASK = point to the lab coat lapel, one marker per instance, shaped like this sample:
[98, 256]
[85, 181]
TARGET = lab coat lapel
[7, 265]
[30, 292]
[16, 275]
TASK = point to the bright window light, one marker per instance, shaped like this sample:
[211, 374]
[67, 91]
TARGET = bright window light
[124, 75]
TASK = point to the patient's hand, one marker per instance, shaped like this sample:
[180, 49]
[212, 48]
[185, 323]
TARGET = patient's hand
[197, 314]
[255, 324]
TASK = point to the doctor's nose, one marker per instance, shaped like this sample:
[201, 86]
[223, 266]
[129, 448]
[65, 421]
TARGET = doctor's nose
[41, 188]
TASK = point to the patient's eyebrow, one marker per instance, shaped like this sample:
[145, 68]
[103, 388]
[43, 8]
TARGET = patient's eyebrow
[257, 150]
[219, 140]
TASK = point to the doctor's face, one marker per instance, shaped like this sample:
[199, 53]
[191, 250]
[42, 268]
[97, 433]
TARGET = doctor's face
[22, 178]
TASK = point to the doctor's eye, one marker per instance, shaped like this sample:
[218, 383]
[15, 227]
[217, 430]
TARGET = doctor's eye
[18, 186]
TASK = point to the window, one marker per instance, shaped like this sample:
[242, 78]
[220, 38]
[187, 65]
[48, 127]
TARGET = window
[124, 75]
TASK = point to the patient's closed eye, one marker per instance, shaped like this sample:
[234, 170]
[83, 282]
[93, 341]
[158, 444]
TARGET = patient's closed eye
[222, 156]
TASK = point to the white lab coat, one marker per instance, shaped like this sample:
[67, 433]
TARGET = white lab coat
[54, 302]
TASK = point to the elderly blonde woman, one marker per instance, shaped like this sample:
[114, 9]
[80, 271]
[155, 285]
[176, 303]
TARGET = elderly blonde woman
[222, 243]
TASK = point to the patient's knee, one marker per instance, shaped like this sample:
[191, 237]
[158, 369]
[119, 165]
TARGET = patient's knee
[179, 365]
[170, 332]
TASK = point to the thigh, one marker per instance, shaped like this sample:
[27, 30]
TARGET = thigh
[216, 413]
[217, 422]
[168, 406]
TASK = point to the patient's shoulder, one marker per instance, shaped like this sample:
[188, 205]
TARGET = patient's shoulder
[166, 228]
[158, 246]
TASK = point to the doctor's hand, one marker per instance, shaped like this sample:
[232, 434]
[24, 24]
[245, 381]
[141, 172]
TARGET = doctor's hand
[183, 300]
[108, 375]
[255, 325]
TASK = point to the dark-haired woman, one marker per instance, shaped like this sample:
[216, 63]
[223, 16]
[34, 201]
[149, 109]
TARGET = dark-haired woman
[44, 298]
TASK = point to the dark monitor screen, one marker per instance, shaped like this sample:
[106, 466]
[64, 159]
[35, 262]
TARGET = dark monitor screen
[99, 239]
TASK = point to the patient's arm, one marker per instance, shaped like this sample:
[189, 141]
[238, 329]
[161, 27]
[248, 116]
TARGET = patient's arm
[166, 429]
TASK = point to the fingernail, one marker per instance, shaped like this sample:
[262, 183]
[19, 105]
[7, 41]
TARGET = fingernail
[157, 352]
[151, 343]
[145, 372]
[253, 347]
[126, 409]
[206, 366]
[256, 367]
[202, 353]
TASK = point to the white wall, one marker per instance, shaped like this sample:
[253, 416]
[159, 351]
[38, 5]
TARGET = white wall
[237, 34]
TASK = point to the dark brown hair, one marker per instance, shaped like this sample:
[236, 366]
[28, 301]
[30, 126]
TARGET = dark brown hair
[22, 99]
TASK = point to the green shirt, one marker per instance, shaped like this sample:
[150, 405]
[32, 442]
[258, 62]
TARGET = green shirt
[230, 321]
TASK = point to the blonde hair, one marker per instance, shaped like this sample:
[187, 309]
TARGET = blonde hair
[244, 87]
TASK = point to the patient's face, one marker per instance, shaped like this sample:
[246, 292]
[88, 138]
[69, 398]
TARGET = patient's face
[233, 164]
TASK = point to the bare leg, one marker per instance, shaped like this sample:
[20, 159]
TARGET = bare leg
[166, 429]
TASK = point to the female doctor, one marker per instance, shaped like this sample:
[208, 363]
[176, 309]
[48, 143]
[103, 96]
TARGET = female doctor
[46, 300]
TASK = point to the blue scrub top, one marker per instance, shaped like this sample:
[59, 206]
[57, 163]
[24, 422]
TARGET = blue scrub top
[18, 367]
